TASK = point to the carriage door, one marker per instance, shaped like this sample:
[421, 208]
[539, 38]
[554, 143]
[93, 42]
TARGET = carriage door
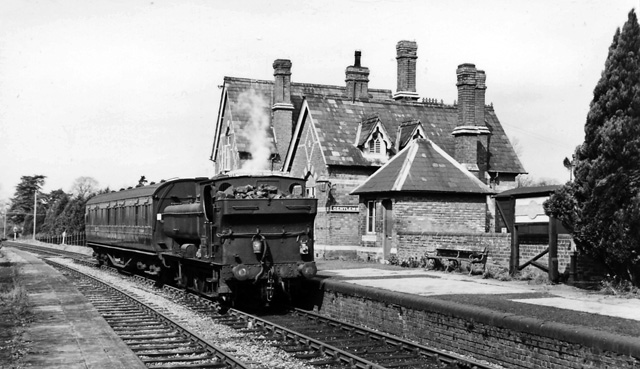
[387, 228]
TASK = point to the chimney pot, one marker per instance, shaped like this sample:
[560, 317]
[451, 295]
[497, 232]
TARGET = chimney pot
[357, 61]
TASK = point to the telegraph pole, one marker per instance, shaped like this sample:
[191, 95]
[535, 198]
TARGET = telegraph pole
[5, 224]
[35, 206]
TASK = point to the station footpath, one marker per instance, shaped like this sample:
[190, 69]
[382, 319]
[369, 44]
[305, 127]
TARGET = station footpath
[65, 330]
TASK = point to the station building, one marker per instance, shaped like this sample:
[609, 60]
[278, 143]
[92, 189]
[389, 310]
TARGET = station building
[337, 137]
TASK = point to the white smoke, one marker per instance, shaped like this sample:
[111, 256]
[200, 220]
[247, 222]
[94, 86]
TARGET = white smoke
[255, 131]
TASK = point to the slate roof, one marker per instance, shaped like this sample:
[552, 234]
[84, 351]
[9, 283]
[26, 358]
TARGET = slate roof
[337, 119]
[422, 167]
[529, 191]
[240, 118]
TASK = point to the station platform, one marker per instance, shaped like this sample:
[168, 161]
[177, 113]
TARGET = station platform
[64, 329]
[439, 283]
[511, 323]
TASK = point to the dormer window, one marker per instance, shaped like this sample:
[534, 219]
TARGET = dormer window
[373, 140]
[409, 131]
[376, 143]
[376, 146]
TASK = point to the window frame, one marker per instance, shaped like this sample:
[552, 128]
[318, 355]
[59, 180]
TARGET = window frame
[370, 227]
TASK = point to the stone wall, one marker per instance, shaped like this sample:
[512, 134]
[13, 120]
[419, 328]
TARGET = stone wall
[504, 339]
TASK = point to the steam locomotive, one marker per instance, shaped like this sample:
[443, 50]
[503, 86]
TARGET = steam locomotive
[230, 237]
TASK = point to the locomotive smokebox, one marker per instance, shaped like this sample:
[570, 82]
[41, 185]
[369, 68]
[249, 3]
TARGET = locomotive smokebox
[180, 222]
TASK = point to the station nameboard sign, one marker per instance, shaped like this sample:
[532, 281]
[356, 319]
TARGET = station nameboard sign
[530, 210]
[344, 209]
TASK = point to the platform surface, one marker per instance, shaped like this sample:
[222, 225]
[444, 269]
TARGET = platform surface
[65, 330]
[439, 283]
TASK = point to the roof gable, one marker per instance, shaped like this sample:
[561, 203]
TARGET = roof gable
[407, 131]
[423, 167]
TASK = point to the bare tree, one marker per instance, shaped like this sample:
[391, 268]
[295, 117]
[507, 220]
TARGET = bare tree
[84, 186]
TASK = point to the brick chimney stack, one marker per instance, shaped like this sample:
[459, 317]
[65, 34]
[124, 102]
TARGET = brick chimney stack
[282, 107]
[466, 74]
[471, 133]
[481, 86]
[357, 79]
[406, 56]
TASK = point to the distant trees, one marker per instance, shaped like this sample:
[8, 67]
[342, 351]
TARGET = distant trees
[56, 211]
[22, 202]
[601, 206]
[84, 186]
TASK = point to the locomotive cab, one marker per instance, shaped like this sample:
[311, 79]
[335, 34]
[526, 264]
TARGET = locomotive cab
[247, 237]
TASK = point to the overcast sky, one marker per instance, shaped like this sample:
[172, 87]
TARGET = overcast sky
[118, 89]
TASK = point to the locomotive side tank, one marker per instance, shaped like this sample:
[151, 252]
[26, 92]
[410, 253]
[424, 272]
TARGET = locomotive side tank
[231, 236]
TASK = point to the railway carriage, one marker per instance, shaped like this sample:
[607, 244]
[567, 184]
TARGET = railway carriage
[229, 237]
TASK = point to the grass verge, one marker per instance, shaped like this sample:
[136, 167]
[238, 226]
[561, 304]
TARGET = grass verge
[14, 314]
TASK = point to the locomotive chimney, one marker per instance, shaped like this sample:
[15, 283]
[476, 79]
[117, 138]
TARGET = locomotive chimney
[282, 107]
[357, 79]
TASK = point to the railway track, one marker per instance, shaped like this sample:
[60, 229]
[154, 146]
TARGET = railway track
[320, 341]
[159, 341]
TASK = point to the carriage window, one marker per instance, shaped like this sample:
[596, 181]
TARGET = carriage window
[136, 215]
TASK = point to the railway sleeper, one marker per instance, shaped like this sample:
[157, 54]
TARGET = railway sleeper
[407, 364]
[167, 346]
[151, 324]
[147, 343]
[296, 348]
[383, 350]
[138, 332]
[324, 362]
[143, 345]
[172, 352]
[177, 359]
[309, 355]
[131, 317]
[191, 366]
[151, 336]
[117, 310]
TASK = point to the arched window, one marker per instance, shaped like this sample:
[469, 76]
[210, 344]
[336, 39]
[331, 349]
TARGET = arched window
[376, 144]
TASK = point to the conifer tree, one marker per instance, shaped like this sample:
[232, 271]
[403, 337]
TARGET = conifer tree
[602, 205]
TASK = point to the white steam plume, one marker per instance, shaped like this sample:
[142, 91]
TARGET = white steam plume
[255, 131]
